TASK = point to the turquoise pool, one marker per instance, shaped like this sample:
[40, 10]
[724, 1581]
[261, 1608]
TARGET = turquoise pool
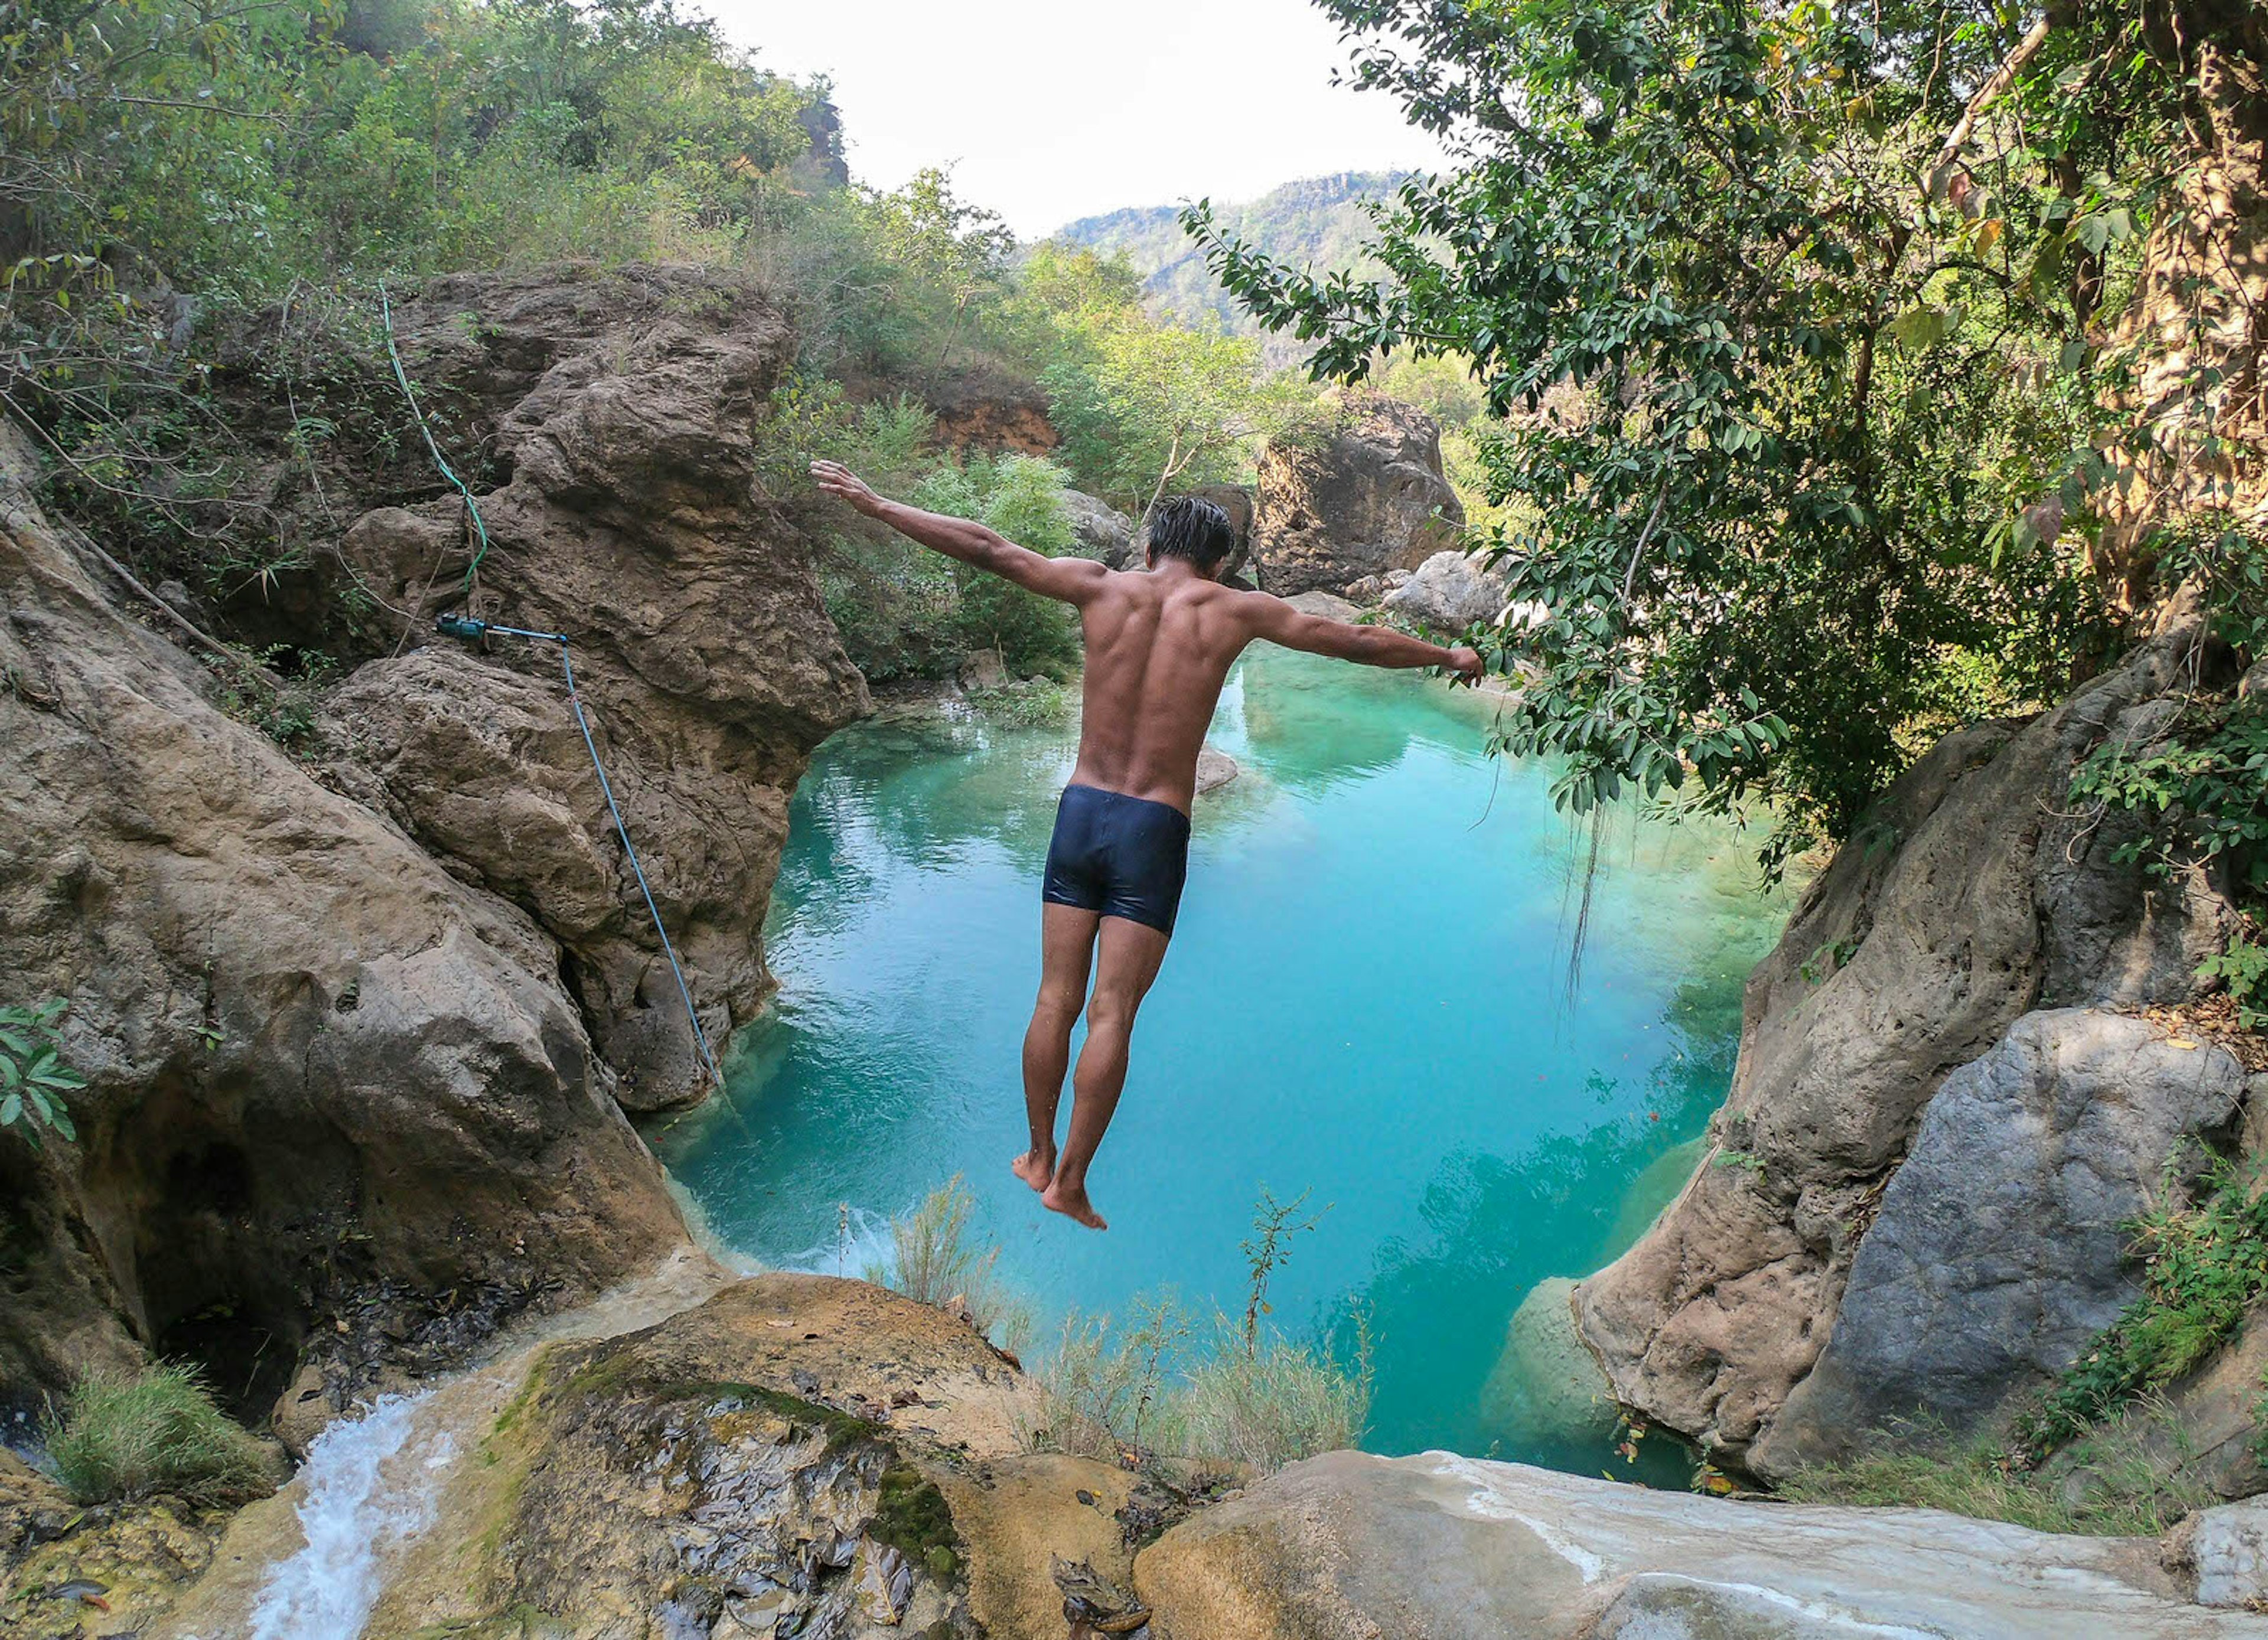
[1367, 998]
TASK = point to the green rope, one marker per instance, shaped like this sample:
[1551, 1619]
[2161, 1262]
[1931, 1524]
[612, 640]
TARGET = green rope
[385, 311]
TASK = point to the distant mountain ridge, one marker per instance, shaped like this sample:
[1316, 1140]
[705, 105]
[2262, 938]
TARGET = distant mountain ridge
[1316, 219]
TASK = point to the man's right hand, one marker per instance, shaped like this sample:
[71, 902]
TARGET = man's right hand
[845, 485]
[1466, 665]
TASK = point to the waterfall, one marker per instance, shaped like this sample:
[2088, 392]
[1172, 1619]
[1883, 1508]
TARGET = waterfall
[369, 1485]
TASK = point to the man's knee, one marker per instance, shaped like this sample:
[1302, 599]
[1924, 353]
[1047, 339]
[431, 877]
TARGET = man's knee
[1110, 1015]
[1059, 1005]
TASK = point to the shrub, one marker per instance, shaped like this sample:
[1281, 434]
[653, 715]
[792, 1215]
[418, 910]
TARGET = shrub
[125, 1439]
[2204, 1267]
[1272, 1403]
[1255, 1399]
[1099, 1391]
[34, 1078]
[934, 1262]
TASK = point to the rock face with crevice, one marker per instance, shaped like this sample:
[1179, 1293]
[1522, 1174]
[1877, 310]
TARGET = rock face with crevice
[1973, 895]
[320, 1067]
[621, 406]
[2001, 1247]
[1366, 497]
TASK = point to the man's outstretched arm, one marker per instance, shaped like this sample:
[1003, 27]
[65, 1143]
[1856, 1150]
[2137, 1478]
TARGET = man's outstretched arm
[1072, 580]
[1273, 618]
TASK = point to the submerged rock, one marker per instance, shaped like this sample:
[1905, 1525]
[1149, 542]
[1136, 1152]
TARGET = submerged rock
[1547, 1387]
[1437, 1547]
[1368, 498]
[1215, 768]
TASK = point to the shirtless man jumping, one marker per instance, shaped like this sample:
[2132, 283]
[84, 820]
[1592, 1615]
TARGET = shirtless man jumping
[1159, 647]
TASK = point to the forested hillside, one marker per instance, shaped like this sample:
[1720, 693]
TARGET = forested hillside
[199, 213]
[1318, 221]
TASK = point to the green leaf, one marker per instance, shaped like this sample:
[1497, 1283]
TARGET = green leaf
[10, 1108]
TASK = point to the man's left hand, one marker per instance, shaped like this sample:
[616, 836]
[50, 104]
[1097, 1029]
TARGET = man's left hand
[845, 485]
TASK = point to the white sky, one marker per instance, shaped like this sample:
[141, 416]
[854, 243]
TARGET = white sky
[1048, 110]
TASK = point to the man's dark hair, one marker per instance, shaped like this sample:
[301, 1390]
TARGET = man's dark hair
[1191, 527]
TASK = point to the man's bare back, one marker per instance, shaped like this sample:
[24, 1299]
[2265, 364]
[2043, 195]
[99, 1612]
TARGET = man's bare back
[1159, 648]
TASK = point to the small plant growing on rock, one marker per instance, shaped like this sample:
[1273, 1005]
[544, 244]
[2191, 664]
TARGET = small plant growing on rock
[935, 1260]
[33, 1079]
[126, 1439]
[1099, 1390]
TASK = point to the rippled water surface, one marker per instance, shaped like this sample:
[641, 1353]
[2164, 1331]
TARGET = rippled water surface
[1367, 998]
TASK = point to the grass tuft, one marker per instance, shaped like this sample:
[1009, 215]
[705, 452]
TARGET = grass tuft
[1269, 1401]
[934, 1260]
[2124, 1479]
[126, 1439]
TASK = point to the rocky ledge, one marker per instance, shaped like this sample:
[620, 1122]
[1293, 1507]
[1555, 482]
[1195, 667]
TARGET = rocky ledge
[803, 1456]
[1439, 1548]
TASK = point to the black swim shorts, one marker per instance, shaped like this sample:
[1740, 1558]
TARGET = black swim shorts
[1124, 857]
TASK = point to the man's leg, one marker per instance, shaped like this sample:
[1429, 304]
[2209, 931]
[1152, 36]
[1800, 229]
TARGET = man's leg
[1066, 943]
[1131, 953]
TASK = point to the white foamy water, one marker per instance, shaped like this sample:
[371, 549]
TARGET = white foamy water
[370, 1485]
[865, 1242]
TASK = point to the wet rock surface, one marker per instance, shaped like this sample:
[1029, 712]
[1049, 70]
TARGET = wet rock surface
[1973, 894]
[1368, 497]
[1435, 1548]
[795, 1456]
[73, 1573]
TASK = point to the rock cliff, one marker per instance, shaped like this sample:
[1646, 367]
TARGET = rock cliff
[1365, 496]
[621, 407]
[358, 1024]
[1945, 998]
[327, 1078]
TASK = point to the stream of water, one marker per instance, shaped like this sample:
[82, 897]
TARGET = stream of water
[1368, 999]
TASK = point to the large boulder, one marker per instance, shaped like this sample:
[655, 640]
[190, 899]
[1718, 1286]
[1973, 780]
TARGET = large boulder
[1365, 496]
[1350, 1547]
[622, 407]
[2000, 1249]
[1448, 592]
[1102, 530]
[335, 1093]
[1973, 894]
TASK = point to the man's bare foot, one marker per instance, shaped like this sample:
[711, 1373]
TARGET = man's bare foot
[1070, 1200]
[1036, 1168]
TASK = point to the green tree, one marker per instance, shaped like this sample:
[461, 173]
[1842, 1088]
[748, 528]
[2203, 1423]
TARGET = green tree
[1792, 314]
[1146, 408]
[960, 250]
